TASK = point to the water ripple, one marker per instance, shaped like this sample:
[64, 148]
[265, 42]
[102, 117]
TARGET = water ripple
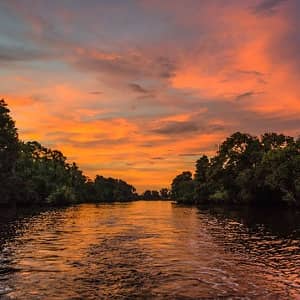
[150, 250]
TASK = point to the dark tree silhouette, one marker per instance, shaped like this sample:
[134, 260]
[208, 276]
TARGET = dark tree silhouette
[9, 150]
[165, 194]
[245, 170]
[183, 187]
[31, 174]
[151, 195]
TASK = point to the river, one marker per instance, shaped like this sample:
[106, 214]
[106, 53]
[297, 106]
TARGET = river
[150, 250]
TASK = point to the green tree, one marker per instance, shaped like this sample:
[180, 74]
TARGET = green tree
[238, 155]
[32, 174]
[245, 170]
[151, 195]
[110, 189]
[165, 194]
[45, 177]
[278, 176]
[201, 179]
[271, 141]
[9, 150]
[183, 188]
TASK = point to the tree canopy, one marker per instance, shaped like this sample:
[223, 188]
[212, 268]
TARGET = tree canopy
[163, 194]
[9, 151]
[245, 170]
[31, 174]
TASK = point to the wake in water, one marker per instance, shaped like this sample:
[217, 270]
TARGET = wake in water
[148, 250]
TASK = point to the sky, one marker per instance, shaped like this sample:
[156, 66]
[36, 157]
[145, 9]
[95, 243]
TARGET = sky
[139, 89]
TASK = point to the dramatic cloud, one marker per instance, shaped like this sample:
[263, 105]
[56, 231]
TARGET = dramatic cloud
[171, 128]
[244, 95]
[9, 55]
[268, 6]
[139, 89]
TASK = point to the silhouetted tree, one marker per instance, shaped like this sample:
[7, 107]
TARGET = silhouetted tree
[150, 195]
[110, 189]
[245, 170]
[31, 174]
[165, 194]
[183, 187]
[9, 150]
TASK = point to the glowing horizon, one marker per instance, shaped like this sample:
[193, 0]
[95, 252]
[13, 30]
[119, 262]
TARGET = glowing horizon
[140, 89]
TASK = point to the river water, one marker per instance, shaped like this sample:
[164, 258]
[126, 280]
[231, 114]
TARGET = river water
[150, 250]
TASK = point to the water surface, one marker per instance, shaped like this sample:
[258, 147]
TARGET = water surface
[150, 250]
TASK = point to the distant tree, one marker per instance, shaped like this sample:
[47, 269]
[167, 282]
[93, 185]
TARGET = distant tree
[201, 179]
[183, 187]
[150, 195]
[202, 166]
[165, 194]
[155, 195]
[271, 141]
[110, 189]
[124, 191]
[147, 195]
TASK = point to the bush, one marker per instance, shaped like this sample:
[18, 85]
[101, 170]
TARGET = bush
[61, 196]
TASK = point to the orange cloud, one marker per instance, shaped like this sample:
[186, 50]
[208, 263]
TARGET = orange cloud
[141, 100]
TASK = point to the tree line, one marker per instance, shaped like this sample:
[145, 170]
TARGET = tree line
[245, 170]
[31, 174]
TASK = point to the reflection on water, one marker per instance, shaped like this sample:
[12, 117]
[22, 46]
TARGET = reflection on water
[150, 250]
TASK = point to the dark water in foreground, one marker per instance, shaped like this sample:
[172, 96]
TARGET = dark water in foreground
[150, 250]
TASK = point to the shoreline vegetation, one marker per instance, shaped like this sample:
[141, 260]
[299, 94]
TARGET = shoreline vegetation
[245, 171]
[33, 175]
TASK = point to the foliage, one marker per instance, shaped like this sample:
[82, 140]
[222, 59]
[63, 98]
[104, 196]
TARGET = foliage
[45, 176]
[110, 189]
[183, 187]
[63, 195]
[245, 170]
[31, 174]
[163, 194]
[9, 150]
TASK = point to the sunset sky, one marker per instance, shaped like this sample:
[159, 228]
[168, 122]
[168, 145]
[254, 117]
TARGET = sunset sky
[140, 89]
